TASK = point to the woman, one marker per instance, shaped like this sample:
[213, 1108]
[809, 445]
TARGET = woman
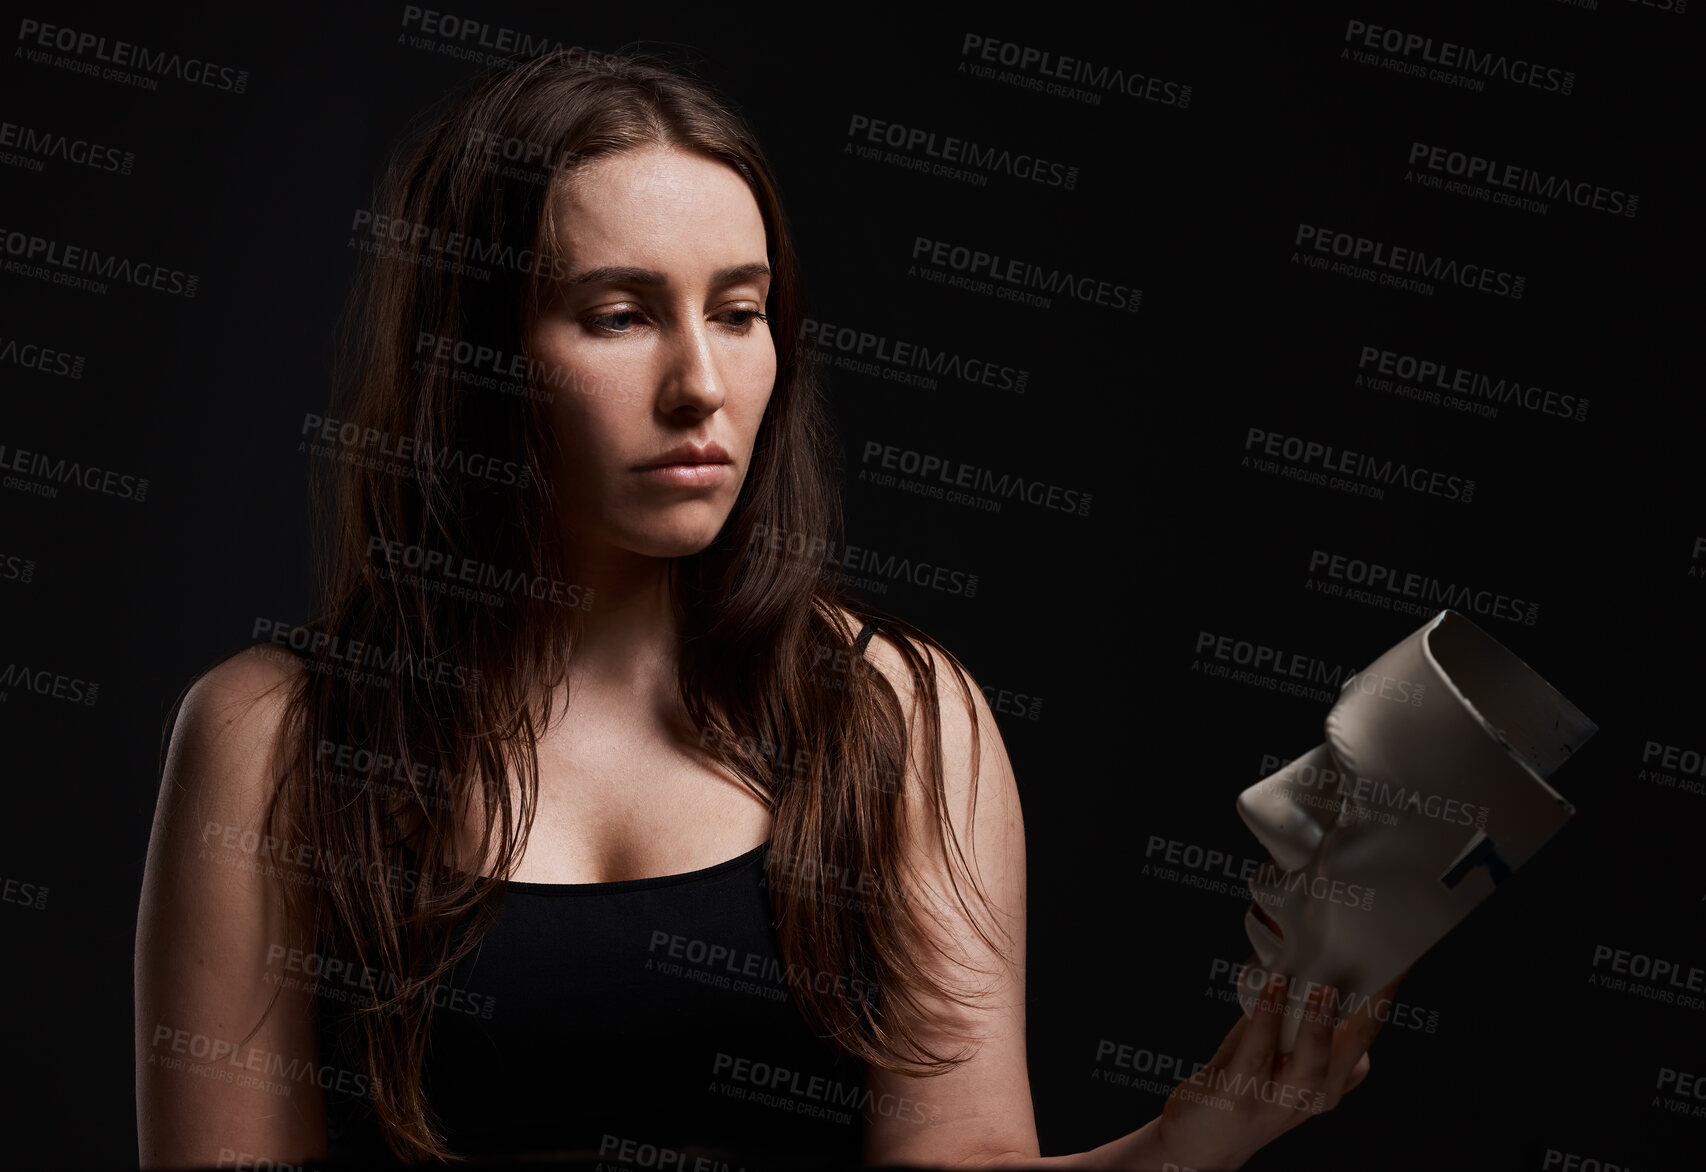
[587, 816]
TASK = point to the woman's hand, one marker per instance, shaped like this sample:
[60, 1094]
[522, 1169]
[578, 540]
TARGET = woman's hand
[1249, 1093]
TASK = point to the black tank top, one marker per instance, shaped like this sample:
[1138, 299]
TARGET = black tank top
[620, 1021]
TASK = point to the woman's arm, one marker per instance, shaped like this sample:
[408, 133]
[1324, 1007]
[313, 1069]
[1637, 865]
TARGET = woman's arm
[980, 1114]
[211, 948]
[980, 1111]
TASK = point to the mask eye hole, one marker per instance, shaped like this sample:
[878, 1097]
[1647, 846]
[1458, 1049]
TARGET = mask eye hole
[1480, 852]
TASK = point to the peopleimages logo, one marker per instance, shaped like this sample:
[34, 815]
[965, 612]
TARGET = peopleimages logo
[208, 1056]
[1473, 391]
[370, 447]
[488, 367]
[360, 661]
[862, 352]
[1347, 798]
[49, 683]
[958, 474]
[1689, 764]
[1511, 182]
[44, 259]
[1294, 665]
[1679, 978]
[861, 566]
[812, 1095]
[912, 142]
[336, 979]
[470, 34]
[23, 894]
[1420, 594]
[1268, 883]
[727, 961]
[32, 356]
[1230, 975]
[1010, 278]
[463, 577]
[36, 469]
[517, 158]
[992, 51]
[17, 569]
[48, 144]
[144, 60]
[388, 236]
[1311, 461]
[1451, 58]
[1386, 261]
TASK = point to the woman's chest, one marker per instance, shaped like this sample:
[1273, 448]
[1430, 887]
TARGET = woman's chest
[628, 801]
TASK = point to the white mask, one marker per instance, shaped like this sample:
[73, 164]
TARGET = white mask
[1428, 792]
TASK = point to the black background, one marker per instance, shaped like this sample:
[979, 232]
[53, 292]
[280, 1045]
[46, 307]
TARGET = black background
[1593, 520]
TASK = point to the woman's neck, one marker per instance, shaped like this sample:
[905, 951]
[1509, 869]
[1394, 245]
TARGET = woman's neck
[629, 637]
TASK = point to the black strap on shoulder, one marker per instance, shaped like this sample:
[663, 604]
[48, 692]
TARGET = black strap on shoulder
[865, 634]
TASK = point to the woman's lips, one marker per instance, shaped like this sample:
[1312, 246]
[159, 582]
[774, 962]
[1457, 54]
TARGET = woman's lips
[686, 475]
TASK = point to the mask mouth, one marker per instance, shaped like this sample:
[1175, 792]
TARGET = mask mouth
[1267, 921]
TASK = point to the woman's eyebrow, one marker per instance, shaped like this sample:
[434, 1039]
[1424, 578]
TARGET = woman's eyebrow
[630, 275]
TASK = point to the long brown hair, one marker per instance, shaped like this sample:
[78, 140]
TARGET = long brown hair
[422, 703]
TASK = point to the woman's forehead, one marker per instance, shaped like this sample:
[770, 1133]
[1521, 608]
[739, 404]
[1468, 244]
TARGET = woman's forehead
[658, 208]
[656, 177]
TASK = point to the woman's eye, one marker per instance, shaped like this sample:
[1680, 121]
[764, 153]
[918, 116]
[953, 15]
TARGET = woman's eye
[613, 323]
[744, 318]
[740, 320]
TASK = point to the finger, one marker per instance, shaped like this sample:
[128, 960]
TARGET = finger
[1310, 1058]
[1351, 1043]
[1357, 1074]
[1256, 1048]
[1229, 1044]
[1369, 1015]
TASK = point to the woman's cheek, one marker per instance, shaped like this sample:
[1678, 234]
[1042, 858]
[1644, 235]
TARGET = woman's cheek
[758, 374]
[608, 382]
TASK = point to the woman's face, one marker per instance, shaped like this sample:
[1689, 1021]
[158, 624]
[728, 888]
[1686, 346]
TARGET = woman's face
[652, 344]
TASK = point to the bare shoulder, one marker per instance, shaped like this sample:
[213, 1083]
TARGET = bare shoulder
[222, 767]
[978, 782]
[883, 652]
[227, 729]
[255, 676]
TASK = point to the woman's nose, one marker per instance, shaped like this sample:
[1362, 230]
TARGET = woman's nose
[690, 376]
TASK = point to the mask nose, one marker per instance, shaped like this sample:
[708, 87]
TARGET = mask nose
[1291, 828]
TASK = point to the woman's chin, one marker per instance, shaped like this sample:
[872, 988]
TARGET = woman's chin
[676, 541]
